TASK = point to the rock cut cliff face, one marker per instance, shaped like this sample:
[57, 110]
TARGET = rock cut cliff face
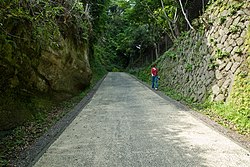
[65, 70]
[53, 62]
[61, 72]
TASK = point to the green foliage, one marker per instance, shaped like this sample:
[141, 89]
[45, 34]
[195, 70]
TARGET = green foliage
[115, 69]
[112, 47]
[229, 115]
[248, 39]
[213, 41]
[222, 20]
[234, 29]
[234, 7]
[134, 27]
[235, 113]
[221, 54]
[107, 59]
[142, 73]
[170, 54]
[97, 66]
[173, 94]
[37, 108]
[239, 51]
[212, 65]
[239, 98]
[189, 67]
[26, 29]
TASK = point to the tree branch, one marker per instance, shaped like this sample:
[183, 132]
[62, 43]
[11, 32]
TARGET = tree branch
[182, 9]
[169, 21]
[163, 8]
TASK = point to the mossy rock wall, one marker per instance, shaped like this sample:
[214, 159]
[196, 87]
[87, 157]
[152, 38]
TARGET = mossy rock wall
[66, 70]
[208, 61]
[40, 55]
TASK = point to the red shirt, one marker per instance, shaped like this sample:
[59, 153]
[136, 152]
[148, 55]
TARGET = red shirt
[154, 71]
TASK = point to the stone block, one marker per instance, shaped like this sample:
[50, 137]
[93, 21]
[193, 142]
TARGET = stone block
[218, 75]
[219, 61]
[208, 82]
[236, 58]
[226, 31]
[203, 78]
[212, 30]
[220, 46]
[247, 11]
[235, 49]
[211, 74]
[235, 36]
[220, 97]
[219, 39]
[221, 32]
[226, 84]
[236, 21]
[240, 12]
[244, 33]
[241, 25]
[224, 38]
[216, 89]
[226, 45]
[239, 41]
[194, 97]
[224, 13]
[220, 82]
[216, 34]
[231, 42]
[247, 23]
[201, 97]
[235, 67]
[229, 22]
[222, 65]
[229, 65]
[229, 49]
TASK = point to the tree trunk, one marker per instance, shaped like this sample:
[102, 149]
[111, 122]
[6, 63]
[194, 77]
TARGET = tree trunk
[156, 50]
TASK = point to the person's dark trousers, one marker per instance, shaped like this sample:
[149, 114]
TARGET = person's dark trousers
[154, 82]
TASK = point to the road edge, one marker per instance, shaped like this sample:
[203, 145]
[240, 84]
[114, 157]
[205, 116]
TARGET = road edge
[233, 136]
[30, 156]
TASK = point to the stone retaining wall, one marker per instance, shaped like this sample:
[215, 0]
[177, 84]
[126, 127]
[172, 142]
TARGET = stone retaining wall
[205, 62]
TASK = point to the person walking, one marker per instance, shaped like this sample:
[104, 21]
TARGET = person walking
[154, 74]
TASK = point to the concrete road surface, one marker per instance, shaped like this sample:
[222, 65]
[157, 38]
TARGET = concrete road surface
[128, 125]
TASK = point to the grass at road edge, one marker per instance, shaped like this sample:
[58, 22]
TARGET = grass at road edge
[221, 113]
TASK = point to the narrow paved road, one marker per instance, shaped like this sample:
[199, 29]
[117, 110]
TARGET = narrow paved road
[128, 125]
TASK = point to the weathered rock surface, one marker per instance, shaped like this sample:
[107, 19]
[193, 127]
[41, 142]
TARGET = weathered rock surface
[66, 70]
[61, 72]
